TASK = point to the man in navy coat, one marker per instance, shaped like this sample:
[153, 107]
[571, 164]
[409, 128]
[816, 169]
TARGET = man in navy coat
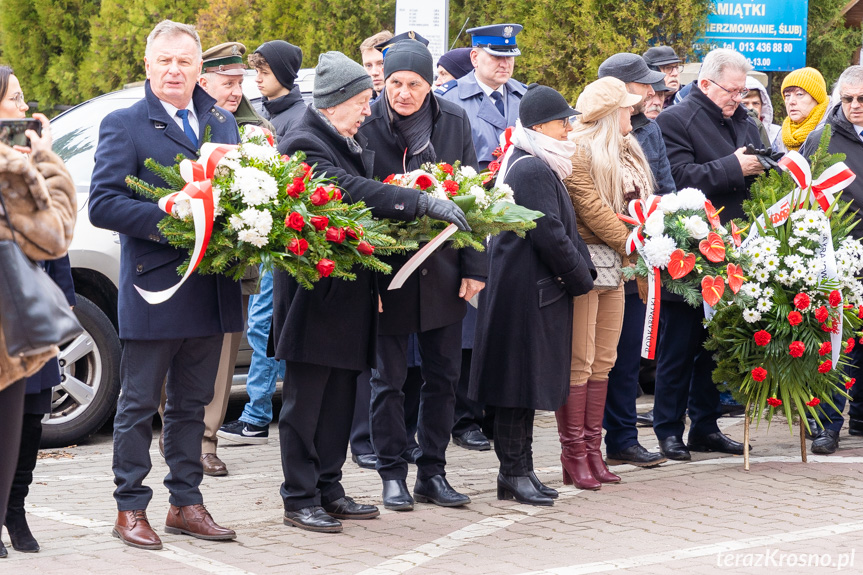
[182, 337]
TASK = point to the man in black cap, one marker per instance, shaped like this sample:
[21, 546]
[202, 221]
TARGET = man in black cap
[450, 67]
[410, 124]
[277, 63]
[663, 59]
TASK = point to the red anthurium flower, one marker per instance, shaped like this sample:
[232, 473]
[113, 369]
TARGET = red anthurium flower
[813, 402]
[821, 314]
[759, 374]
[801, 301]
[712, 214]
[735, 277]
[446, 168]
[365, 248]
[295, 220]
[424, 182]
[796, 348]
[849, 345]
[294, 188]
[389, 178]
[835, 298]
[825, 366]
[762, 337]
[850, 383]
[450, 186]
[320, 197]
[712, 288]
[681, 263]
[713, 247]
[735, 234]
[336, 235]
[298, 246]
[320, 222]
[825, 348]
[325, 267]
[795, 318]
[774, 401]
[355, 235]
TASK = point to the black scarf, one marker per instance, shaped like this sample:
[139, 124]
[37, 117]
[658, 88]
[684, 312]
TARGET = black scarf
[413, 133]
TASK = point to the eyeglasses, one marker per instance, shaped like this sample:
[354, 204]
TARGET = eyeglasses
[849, 99]
[742, 93]
[670, 68]
[18, 98]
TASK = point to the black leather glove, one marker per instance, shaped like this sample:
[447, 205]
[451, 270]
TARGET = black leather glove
[447, 211]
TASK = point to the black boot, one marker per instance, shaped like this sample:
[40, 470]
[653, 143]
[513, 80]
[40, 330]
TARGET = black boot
[16, 520]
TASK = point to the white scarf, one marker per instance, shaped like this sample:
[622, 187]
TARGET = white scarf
[556, 153]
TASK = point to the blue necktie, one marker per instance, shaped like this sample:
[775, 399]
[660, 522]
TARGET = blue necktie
[187, 127]
[498, 102]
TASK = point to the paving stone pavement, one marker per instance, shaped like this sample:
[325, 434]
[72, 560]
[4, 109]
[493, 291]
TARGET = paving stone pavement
[704, 516]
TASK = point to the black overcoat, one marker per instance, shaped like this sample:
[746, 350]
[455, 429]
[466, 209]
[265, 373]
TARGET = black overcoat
[335, 324]
[522, 351]
[429, 298]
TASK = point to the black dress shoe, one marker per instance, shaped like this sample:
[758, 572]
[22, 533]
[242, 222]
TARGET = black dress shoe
[396, 495]
[543, 488]
[855, 427]
[813, 430]
[644, 419]
[672, 447]
[3, 552]
[825, 442]
[347, 508]
[635, 455]
[365, 460]
[716, 441]
[437, 490]
[473, 439]
[522, 489]
[411, 454]
[313, 519]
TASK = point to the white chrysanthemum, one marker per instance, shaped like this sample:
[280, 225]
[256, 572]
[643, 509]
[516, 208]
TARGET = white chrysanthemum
[182, 209]
[467, 172]
[751, 289]
[793, 241]
[762, 276]
[782, 276]
[696, 227]
[657, 250]
[669, 203]
[767, 292]
[805, 250]
[260, 153]
[771, 262]
[816, 266]
[811, 278]
[482, 199]
[236, 222]
[691, 199]
[751, 315]
[793, 261]
[257, 187]
[764, 305]
[438, 192]
[264, 223]
[655, 224]
[508, 195]
[252, 237]
[798, 273]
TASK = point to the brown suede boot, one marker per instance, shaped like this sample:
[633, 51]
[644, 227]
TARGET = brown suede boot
[595, 411]
[570, 427]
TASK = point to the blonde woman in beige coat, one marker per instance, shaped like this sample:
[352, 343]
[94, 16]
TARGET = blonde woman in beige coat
[608, 169]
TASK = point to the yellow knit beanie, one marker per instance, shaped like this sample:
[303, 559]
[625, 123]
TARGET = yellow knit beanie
[810, 80]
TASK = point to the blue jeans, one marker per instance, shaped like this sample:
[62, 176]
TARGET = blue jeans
[263, 370]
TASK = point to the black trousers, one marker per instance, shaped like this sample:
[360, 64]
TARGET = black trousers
[31, 436]
[11, 411]
[513, 439]
[361, 429]
[314, 428]
[440, 350]
[191, 366]
[620, 414]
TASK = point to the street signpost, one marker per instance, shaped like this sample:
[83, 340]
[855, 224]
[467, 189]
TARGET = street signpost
[430, 18]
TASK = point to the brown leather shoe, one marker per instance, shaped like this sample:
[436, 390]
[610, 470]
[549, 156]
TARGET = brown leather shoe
[133, 529]
[213, 466]
[196, 521]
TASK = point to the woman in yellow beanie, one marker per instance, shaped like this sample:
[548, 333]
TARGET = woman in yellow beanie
[806, 102]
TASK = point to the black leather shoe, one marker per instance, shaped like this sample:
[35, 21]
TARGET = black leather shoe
[412, 454]
[813, 430]
[825, 442]
[396, 495]
[313, 519]
[855, 427]
[437, 490]
[473, 439]
[347, 508]
[635, 455]
[522, 489]
[672, 447]
[716, 441]
[644, 419]
[3, 552]
[365, 460]
[543, 488]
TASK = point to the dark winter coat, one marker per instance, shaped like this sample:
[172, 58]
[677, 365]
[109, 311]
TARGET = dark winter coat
[284, 112]
[335, 324]
[845, 139]
[522, 351]
[649, 137]
[429, 298]
[701, 142]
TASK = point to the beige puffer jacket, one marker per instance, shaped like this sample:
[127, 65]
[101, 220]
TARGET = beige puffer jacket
[40, 196]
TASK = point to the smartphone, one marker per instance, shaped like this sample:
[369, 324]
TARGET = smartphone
[12, 131]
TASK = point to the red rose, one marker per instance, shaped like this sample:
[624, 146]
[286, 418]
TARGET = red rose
[424, 182]
[494, 166]
[354, 235]
[774, 401]
[825, 366]
[298, 246]
[821, 314]
[813, 402]
[446, 168]
[450, 186]
[761, 337]
[389, 178]
[850, 383]
[307, 169]
[365, 248]
[835, 298]
[759, 374]
[320, 222]
[796, 348]
[795, 318]
[801, 301]
[860, 312]
[825, 348]
[295, 220]
[285, 158]
[320, 197]
[325, 267]
[336, 235]
[337, 194]
[849, 345]
[296, 187]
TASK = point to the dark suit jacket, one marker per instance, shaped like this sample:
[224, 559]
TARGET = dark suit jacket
[429, 298]
[206, 304]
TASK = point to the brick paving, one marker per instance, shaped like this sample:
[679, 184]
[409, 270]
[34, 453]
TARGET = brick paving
[705, 516]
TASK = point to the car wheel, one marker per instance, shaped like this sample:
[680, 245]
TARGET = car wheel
[89, 380]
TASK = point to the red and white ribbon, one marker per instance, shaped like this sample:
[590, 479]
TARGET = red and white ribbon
[639, 211]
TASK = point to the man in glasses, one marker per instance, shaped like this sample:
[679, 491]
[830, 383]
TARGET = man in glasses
[663, 59]
[846, 122]
[705, 136]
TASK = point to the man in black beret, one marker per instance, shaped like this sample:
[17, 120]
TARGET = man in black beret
[664, 59]
[277, 63]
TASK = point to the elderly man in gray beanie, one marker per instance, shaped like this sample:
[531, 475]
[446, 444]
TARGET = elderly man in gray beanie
[327, 335]
[410, 126]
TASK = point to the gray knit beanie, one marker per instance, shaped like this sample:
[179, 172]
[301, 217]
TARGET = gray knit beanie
[338, 79]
